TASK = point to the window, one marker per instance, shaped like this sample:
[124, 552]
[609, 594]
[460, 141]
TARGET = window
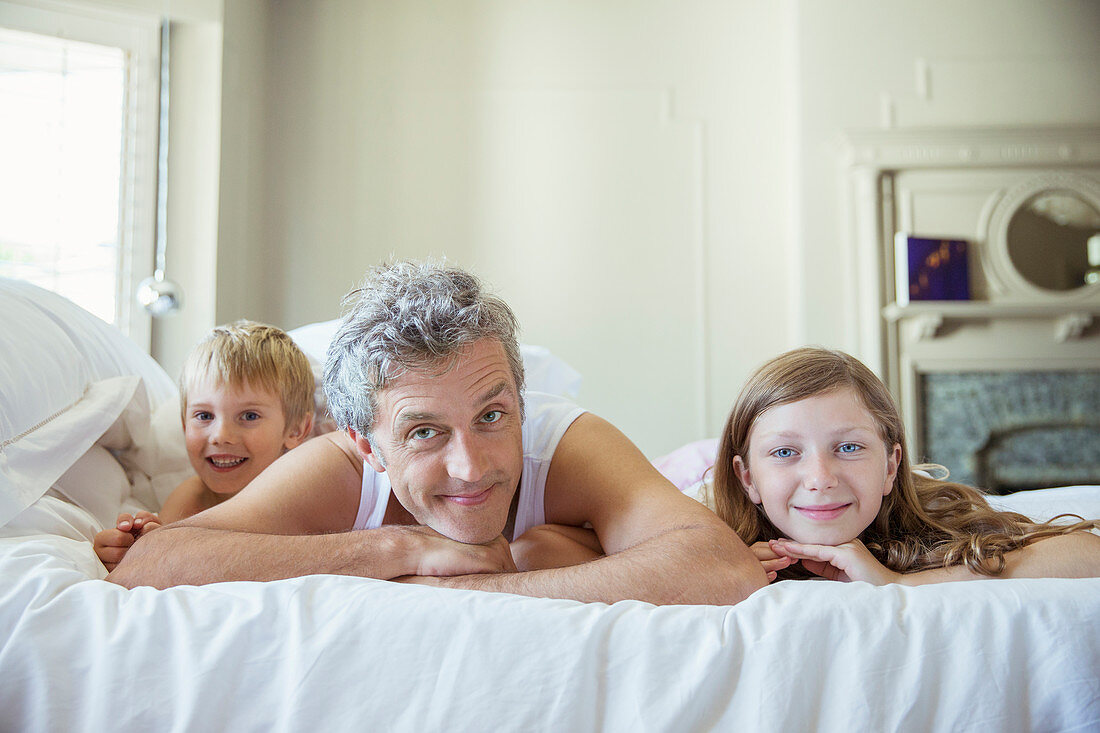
[77, 158]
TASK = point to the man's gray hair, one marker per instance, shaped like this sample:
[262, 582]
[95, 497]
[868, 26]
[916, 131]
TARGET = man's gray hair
[409, 315]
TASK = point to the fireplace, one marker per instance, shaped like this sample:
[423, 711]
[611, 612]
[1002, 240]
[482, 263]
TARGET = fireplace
[1003, 388]
[1006, 431]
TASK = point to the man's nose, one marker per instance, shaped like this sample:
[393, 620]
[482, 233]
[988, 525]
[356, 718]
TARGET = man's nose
[467, 459]
[820, 473]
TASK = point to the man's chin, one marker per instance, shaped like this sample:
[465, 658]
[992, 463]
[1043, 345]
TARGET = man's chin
[468, 535]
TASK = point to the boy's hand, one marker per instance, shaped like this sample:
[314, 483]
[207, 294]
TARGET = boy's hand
[111, 545]
[772, 561]
[846, 562]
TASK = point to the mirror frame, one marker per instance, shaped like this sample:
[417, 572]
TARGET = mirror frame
[1001, 272]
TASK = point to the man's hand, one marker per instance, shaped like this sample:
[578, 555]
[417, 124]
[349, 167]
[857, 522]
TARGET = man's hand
[441, 556]
[111, 545]
[846, 562]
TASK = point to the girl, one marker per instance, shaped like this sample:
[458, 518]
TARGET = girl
[813, 475]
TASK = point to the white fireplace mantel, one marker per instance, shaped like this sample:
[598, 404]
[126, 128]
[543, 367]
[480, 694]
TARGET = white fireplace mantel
[965, 184]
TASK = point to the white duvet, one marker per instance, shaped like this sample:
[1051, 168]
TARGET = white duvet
[337, 653]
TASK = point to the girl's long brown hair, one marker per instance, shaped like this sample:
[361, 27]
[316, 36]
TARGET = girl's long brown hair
[923, 522]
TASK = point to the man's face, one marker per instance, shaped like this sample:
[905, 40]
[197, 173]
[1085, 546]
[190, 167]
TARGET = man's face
[451, 442]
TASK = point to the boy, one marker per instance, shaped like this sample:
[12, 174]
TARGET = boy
[246, 396]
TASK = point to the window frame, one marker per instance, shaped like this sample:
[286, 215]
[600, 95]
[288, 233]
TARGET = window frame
[139, 38]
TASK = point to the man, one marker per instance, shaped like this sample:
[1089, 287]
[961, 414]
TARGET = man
[438, 460]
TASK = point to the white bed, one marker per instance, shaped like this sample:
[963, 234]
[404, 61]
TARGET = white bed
[338, 653]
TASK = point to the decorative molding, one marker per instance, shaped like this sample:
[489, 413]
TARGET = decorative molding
[1071, 326]
[928, 326]
[977, 147]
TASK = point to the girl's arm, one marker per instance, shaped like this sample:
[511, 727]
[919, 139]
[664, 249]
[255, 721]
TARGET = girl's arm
[1073, 555]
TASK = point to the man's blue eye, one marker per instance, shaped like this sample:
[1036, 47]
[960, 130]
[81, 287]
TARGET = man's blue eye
[424, 433]
[491, 416]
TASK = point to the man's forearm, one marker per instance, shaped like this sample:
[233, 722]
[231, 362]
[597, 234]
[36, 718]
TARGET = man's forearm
[187, 555]
[683, 566]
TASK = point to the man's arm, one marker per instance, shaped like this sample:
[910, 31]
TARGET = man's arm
[662, 546]
[292, 520]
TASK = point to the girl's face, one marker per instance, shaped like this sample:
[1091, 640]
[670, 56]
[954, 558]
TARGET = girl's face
[819, 467]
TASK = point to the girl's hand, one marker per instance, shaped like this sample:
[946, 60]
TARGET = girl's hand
[771, 561]
[847, 562]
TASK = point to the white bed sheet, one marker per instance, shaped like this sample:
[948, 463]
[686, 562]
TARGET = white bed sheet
[336, 653]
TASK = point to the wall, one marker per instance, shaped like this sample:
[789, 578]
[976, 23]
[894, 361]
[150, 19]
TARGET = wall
[654, 185]
[601, 164]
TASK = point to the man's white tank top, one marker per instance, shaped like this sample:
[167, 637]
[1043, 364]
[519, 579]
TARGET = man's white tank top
[546, 420]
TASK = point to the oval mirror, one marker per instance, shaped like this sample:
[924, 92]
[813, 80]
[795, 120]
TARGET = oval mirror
[1054, 241]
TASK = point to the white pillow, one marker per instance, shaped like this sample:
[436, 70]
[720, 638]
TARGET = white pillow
[65, 377]
[97, 484]
[31, 461]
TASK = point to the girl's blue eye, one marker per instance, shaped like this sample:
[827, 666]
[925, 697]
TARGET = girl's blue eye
[849, 447]
[492, 416]
[783, 452]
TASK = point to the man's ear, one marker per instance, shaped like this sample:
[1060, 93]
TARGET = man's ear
[366, 451]
[297, 434]
[892, 462]
[745, 476]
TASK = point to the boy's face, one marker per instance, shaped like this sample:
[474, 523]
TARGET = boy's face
[234, 432]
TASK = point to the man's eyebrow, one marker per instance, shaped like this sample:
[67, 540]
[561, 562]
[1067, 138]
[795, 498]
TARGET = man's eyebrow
[411, 416]
[488, 396]
[494, 392]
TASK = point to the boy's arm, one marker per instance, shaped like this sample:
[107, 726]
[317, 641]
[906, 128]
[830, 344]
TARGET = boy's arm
[184, 501]
[292, 520]
[662, 546]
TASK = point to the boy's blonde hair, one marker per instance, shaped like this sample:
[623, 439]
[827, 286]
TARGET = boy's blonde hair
[263, 356]
[923, 522]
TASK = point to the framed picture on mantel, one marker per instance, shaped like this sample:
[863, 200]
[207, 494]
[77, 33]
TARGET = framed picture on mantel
[931, 268]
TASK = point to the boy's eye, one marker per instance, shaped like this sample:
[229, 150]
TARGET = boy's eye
[783, 452]
[204, 416]
[251, 415]
[492, 416]
[424, 433]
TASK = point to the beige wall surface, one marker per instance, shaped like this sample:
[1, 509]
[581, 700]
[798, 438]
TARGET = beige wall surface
[653, 184]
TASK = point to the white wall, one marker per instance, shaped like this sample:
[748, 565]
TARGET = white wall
[906, 64]
[653, 184]
[600, 163]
